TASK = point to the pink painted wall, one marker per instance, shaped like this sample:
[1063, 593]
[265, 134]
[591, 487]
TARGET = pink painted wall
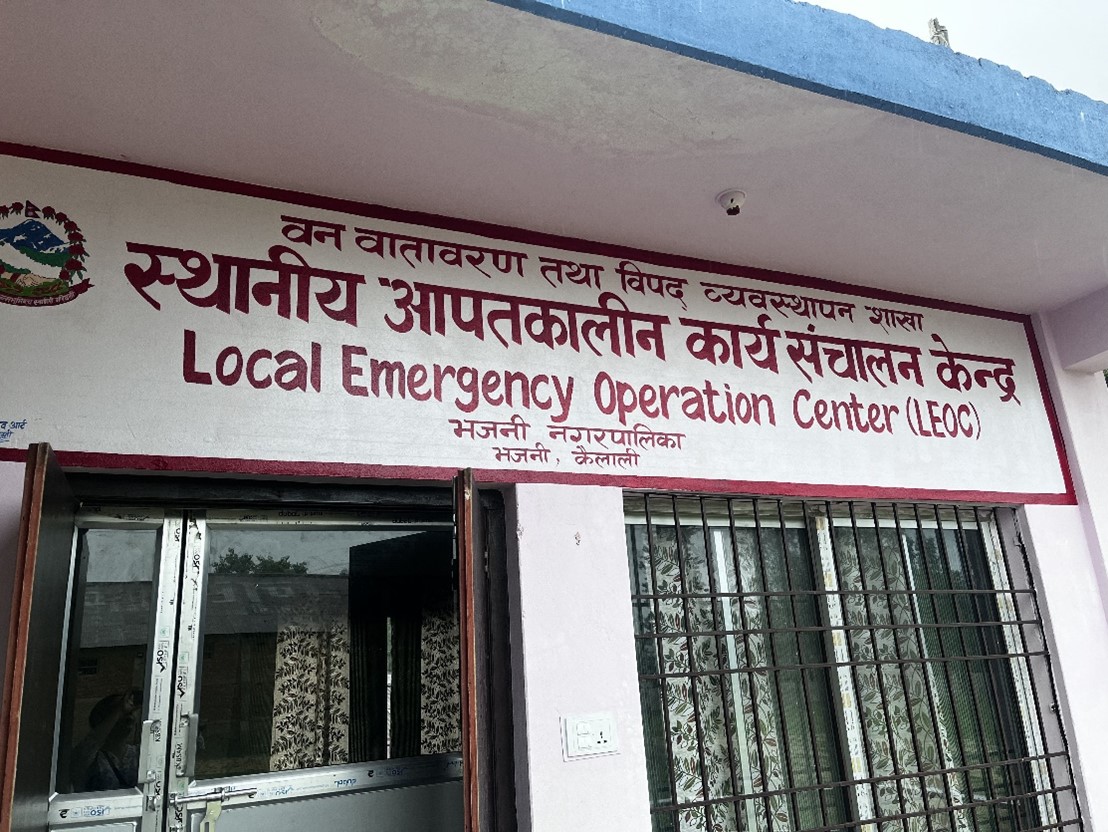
[1082, 401]
[1070, 545]
[11, 499]
[1073, 607]
[577, 651]
[1079, 332]
[577, 656]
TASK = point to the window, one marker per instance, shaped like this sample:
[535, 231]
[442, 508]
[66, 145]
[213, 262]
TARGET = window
[325, 642]
[823, 666]
[329, 646]
[293, 641]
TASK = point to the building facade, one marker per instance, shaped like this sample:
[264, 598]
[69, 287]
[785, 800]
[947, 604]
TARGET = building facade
[398, 433]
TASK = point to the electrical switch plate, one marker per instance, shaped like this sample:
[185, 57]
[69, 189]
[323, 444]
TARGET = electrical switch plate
[589, 735]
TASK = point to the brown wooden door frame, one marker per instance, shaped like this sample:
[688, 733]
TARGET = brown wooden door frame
[465, 523]
[45, 546]
[488, 736]
[43, 558]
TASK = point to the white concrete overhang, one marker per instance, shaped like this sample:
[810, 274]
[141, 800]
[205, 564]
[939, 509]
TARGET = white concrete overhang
[475, 110]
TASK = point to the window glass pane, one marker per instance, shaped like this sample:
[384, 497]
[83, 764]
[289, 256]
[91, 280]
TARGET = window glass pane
[110, 629]
[326, 647]
[818, 665]
[738, 735]
[647, 654]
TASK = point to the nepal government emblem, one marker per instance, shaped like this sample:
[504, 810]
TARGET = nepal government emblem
[42, 256]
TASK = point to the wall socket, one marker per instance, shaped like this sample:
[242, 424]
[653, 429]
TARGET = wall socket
[589, 735]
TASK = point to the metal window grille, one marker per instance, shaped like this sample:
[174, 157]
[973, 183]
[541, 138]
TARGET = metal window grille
[824, 666]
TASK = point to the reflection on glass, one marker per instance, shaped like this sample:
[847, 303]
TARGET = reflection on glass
[109, 632]
[326, 647]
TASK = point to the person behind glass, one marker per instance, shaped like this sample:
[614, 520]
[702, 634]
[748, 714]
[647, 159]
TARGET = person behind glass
[107, 758]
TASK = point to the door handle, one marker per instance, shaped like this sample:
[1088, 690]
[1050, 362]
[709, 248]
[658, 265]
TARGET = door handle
[213, 804]
[211, 813]
[217, 795]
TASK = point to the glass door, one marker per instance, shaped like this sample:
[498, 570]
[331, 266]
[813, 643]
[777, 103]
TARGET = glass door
[262, 668]
[117, 686]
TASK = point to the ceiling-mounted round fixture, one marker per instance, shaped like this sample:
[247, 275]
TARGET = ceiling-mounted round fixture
[732, 201]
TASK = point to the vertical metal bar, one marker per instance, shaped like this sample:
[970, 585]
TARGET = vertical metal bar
[691, 647]
[189, 646]
[934, 603]
[1004, 559]
[837, 562]
[989, 641]
[783, 743]
[748, 811]
[1018, 671]
[961, 631]
[906, 565]
[820, 793]
[850, 719]
[728, 723]
[903, 669]
[832, 675]
[663, 683]
[152, 770]
[741, 594]
[877, 667]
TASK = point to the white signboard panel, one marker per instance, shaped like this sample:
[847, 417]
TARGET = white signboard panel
[150, 323]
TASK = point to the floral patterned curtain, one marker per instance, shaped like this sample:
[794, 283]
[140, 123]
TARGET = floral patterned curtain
[440, 694]
[311, 702]
[900, 729]
[828, 666]
[686, 696]
[726, 712]
[311, 692]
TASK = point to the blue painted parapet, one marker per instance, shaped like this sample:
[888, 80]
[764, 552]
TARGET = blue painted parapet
[845, 57]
